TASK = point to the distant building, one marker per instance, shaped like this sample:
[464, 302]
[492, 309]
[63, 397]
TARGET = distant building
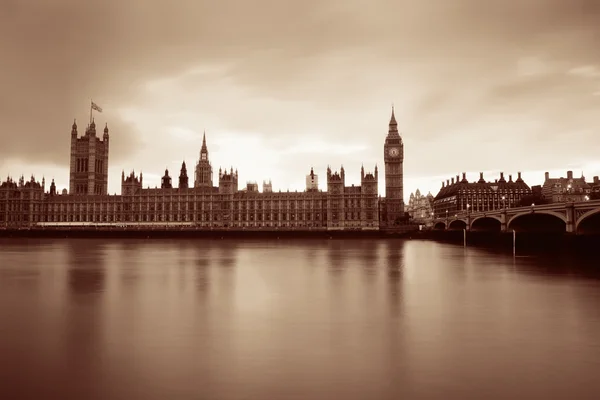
[595, 189]
[251, 187]
[420, 208]
[457, 196]
[267, 187]
[204, 205]
[312, 181]
[559, 190]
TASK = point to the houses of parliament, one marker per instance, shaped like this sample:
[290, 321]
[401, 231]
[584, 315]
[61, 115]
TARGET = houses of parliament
[202, 203]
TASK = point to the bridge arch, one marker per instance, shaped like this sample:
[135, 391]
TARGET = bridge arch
[486, 223]
[439, 226]
[457, 224]
[589, 223]
[538, 221]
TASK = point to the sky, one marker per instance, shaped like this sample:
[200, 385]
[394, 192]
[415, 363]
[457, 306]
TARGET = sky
[280, 87]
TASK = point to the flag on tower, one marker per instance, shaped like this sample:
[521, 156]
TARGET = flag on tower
[96, 107]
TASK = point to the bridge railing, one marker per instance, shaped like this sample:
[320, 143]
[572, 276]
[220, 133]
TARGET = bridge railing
[540, 207]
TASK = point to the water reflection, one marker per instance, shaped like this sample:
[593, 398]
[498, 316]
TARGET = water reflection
[85, 267]
[395, 267]
[337, 255]
[157, 319]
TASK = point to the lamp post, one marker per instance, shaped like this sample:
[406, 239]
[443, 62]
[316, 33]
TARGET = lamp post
[468, 216]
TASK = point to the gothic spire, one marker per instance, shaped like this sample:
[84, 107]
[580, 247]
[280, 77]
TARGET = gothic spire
[393, 118]
[204, 148]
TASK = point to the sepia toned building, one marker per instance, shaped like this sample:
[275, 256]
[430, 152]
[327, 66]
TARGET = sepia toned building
[459, 195]
[420, 208]
[88, 173]
[559, 190]
[595, 189]
[203, 204]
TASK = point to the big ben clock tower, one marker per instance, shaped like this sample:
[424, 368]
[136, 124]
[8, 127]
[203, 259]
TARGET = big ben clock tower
[394, 179]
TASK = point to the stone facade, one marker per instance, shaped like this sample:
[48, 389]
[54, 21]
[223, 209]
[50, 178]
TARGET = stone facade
[559, 190]
[340, 207]
[420, 208]
[595, 189]
[89, 162]
[393, 155]
[458, 195]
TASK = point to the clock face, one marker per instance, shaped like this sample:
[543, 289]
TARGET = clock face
[394, 152]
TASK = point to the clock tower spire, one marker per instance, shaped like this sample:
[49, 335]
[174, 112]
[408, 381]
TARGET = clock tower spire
[394, 178]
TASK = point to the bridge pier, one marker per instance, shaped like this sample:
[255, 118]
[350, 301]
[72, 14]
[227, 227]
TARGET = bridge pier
[571, 221]
[503, 221]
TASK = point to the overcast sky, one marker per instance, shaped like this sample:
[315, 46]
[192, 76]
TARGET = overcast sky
[281, 86]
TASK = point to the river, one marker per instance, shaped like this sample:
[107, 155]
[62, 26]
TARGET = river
[306, 319]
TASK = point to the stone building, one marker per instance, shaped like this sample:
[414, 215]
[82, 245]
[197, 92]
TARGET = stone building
[595, 189]
[204, 205]
[420, 208]
[458, 195]
[559, 190]
[393, 155]
[23, 203]
[89, 162]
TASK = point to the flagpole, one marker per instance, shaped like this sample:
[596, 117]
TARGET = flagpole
[91, 111]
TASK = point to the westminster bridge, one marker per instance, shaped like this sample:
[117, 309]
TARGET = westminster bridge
[579, 218]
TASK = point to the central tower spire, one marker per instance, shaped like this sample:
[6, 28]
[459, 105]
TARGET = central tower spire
[203, 172]
[393, 124]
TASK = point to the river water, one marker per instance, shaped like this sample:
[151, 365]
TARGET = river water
[314, 319]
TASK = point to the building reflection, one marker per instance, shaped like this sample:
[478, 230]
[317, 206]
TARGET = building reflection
[337, 254]
[369, 256]
[81, 341]
[395, 267]
[85, 263]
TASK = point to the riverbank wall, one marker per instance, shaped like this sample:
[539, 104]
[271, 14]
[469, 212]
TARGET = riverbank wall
[520, 242]
[172, 233]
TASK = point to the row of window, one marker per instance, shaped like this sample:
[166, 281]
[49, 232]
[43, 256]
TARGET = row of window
[182, 217]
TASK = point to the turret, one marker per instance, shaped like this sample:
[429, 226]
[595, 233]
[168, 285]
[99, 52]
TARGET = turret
[183, 178]
[166, 181]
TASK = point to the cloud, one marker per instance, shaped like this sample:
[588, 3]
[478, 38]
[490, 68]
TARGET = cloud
[476, 85]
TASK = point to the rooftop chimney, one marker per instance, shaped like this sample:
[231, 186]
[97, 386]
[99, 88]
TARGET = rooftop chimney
[519, 176]
[443, 184]
[569, 174]
[547, 175]
[453, 181]
[481, 180]
[596, 181]
[464, 176]
[447, 182]
[510, 178]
